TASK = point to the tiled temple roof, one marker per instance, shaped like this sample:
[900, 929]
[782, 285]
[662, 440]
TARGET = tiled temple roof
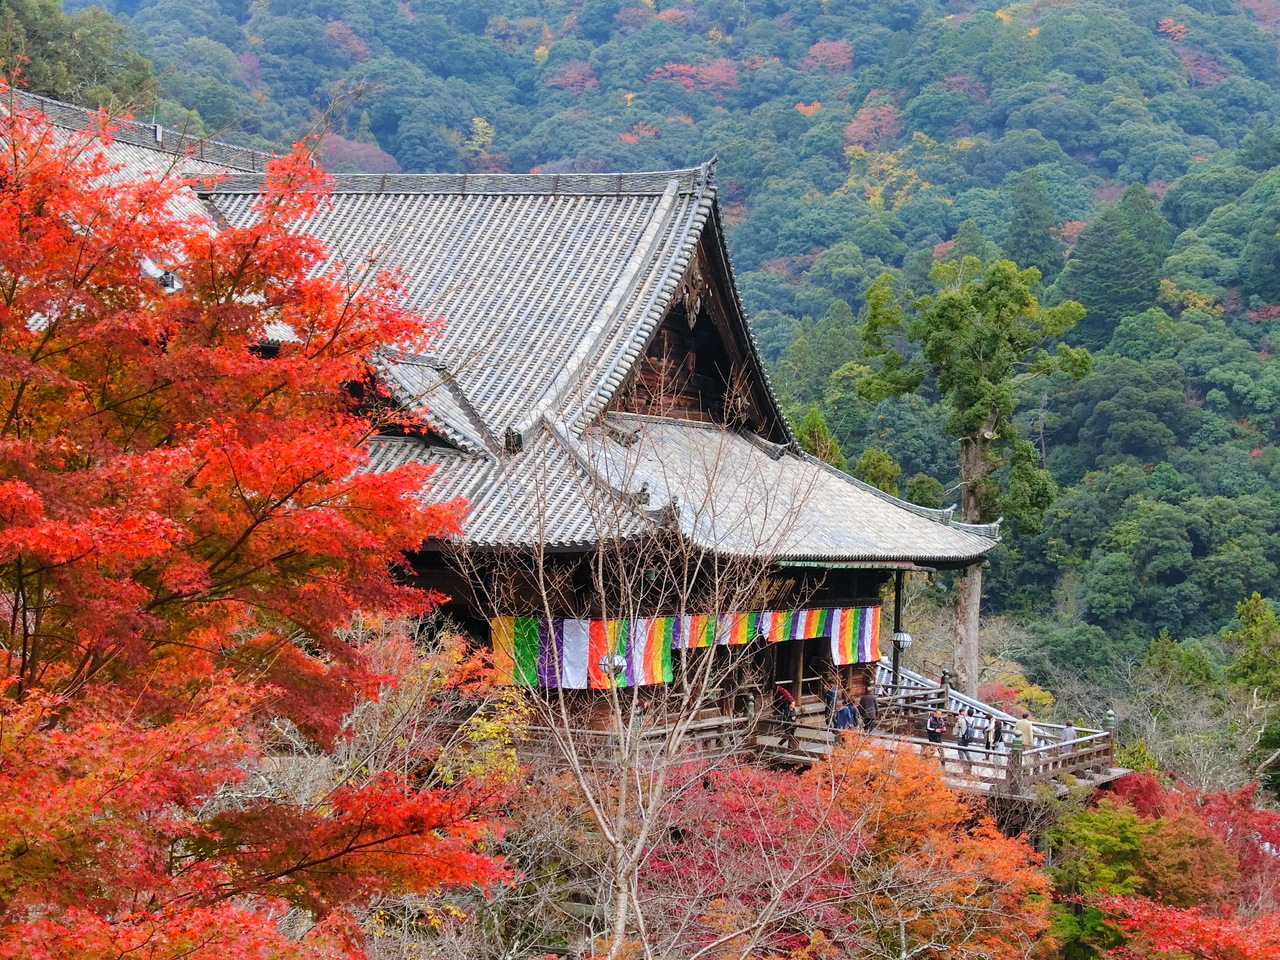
[551, 288]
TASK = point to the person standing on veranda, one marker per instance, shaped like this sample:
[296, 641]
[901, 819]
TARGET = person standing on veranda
[1026, 730]
[934, 728]
[869, 708]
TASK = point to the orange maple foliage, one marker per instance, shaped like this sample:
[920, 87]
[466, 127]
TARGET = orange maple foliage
[1172, 29]
[714, 76]
[869, 850]
[809, 109]
[186, 525]
[834, 56]
[873, 126]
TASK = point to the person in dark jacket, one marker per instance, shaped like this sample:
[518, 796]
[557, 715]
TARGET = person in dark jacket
[831, 699]
[934, 728]
[869, 708]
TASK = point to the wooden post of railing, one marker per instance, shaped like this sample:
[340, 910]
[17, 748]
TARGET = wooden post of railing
[797, 689]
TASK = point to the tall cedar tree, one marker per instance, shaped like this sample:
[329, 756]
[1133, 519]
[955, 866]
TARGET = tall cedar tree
[1115, 268]
[185, 524]
[982, 337]
[1033, 239]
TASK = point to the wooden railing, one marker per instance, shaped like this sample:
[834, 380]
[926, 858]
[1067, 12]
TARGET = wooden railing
[707, 738]
[1002, 770]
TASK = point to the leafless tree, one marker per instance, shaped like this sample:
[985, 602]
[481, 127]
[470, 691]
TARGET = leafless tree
[711, 535]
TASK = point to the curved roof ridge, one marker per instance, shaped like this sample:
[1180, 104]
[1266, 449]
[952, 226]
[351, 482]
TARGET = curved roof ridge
[571, 376]
[752, 343]
[690, 180]
[615, 372]
[151, 136]
[453, 416]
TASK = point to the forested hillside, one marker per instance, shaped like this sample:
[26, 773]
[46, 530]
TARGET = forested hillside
[1125, 149]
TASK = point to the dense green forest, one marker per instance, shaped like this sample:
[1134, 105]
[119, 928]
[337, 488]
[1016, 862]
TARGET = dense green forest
[1125, 149]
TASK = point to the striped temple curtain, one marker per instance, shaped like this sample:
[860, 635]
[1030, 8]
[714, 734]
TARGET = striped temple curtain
[568, 653]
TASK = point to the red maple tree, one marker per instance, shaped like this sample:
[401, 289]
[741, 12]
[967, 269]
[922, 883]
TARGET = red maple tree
[873, 126]
[834, 56]
[186, 526]
[576, 77]
[1158, 932]
[1208, 874]
[868, 850]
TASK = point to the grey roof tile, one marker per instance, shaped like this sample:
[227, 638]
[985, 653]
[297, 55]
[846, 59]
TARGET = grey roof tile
[540, 293]
[733, 494]
[550, 288]
[541, 495]
[143, 146]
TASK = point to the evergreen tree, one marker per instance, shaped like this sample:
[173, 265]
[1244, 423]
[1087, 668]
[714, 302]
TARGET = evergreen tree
[982, 337]
[835, 339]
[798, 376]
[878, 468]
[925, 490]
[1144, 220]
[1033, 239]
[816, 438]
[969, 242]
[1115, 269]
[1260, 261]
[82, 57]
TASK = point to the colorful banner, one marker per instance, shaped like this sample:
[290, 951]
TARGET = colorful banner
[855, 635]
[597, 654]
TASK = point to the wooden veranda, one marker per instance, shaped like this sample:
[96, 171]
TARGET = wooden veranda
[1020, 771]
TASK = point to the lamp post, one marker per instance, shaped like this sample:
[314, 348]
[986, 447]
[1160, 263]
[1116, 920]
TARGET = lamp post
[901, 639]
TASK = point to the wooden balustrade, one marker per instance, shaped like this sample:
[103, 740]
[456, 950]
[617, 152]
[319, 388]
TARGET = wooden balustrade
[1002, 771]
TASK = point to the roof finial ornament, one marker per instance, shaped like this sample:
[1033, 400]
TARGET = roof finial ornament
[707, 172]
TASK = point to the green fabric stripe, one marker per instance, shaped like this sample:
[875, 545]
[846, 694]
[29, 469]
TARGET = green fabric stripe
[667, 632]
[526, 652]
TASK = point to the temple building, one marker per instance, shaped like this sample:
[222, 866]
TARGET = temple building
[634, 492]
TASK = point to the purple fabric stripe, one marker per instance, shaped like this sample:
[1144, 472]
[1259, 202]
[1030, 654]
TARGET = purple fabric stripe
[628, 643]
[550, 653]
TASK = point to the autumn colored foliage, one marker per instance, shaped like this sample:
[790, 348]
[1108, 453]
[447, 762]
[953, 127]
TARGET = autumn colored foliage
[834, 56]
[1159, 932]
[873, 126]
[574, 77]
[186, 528]
[1162, 871]
[714, 76]
[870, 851]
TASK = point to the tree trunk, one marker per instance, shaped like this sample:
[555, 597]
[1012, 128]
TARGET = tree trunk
[968, 604]
[975, 467]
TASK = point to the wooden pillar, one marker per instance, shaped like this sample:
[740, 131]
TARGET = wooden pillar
[797, 665]
[897, 629]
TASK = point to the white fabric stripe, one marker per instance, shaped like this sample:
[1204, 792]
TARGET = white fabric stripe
[577, 647]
